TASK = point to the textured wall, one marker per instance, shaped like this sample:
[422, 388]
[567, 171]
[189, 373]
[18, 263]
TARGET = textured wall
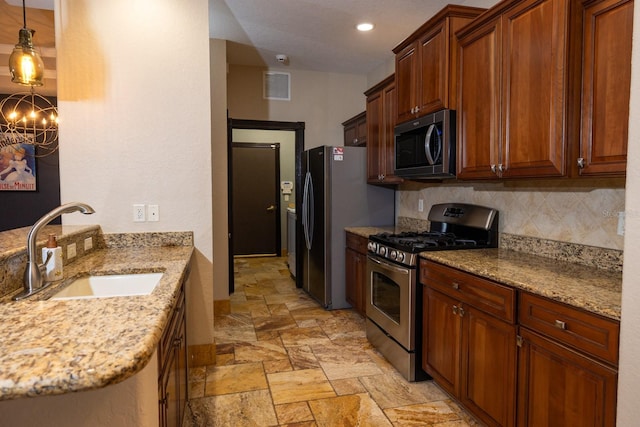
[575, 212]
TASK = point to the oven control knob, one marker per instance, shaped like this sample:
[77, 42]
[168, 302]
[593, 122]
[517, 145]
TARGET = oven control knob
[393, 255]
[400, 256]
[382, 251]
[371, 246]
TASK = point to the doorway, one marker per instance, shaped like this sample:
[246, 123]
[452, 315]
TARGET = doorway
[256, 207]
[298, 129]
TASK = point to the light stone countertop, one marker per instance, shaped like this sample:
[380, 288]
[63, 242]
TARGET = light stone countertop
[55, 347]
[595, 290]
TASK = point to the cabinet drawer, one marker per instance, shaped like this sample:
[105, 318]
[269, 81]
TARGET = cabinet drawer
[357, 243]
[483, 294]
[579, 329]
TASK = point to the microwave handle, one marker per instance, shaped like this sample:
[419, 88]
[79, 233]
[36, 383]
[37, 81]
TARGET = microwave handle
[427, 145]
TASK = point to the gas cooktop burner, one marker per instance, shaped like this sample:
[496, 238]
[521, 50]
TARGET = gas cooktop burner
[453, 226]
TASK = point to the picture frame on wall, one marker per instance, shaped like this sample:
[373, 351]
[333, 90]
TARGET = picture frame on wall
[17, 167]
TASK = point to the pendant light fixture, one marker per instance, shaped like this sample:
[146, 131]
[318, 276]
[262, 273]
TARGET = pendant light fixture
[25, 64]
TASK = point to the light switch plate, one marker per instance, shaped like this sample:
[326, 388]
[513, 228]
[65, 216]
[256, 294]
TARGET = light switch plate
[153, 213]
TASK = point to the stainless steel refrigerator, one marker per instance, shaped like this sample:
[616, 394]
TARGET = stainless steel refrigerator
[335, 195]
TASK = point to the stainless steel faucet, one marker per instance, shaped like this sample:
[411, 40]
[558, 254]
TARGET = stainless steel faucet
[33, 273]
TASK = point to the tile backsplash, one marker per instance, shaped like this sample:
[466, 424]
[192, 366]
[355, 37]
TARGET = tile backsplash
[581, 212]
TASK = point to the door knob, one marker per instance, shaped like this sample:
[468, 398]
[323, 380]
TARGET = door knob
[271, 208]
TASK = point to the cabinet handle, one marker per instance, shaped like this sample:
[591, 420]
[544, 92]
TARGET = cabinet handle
[455, 285]
[493, 168]
[581, 162]
[501, 168]
[382, 177]
[355, 140]
[417, 110]
[455, 309]
[560, 325]
[461, 311]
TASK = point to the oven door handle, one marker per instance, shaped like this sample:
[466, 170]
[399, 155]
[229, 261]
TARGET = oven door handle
[390, 266]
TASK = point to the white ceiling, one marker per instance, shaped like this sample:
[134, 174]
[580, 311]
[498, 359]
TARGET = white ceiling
[319, 34]
[316, 35]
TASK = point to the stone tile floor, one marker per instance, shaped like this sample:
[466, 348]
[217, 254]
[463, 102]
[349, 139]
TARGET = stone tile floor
[282, 360]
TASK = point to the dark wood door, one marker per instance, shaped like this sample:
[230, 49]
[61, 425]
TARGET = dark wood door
[560, 387]
[256, 211]
[488, 367]
[441, 341]
[479, 104]
[606, 86]
[534, 72]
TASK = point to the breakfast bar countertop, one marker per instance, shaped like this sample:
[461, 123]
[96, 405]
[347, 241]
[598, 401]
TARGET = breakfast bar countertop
[53, 347]
[592, 289]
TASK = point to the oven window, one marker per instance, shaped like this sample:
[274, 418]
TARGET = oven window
[385, 295]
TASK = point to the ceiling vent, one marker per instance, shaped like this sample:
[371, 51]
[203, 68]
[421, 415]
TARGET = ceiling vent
[277, 85]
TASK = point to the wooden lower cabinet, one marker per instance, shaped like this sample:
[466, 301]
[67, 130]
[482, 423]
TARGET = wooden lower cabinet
[470, 353]
[562, 387]
[555, 365]
[356, 271]
[172, 367]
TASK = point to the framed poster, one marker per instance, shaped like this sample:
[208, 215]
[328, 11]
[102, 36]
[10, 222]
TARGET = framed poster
[17, 167]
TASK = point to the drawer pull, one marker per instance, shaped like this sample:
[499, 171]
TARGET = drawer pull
[455, 310]
[455, 285]
[560, 324]
[461, 312]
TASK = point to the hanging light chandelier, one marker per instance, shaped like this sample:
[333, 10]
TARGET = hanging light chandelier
[25, 64]
[26, 117]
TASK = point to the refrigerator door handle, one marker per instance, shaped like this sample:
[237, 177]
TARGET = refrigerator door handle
[305, 210]
[312, 212]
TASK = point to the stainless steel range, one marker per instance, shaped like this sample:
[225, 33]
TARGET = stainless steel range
[394, 300]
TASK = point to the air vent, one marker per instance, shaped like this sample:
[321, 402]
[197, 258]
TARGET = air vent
[277, 86]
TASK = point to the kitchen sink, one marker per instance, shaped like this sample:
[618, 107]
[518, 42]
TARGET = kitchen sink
[116, 285]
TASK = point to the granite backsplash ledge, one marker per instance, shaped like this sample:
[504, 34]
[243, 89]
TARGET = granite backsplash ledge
[592, 256]
[13, 243]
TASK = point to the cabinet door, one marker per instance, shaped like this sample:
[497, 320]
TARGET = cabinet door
[441, 339]
[535, 63]
[406, 80]
[488, 367]
[606, 87]
[479, 102]
[350, 134]
[355, 270]
[560, 387]
[375, 133]
[361, 131]
[433, 78]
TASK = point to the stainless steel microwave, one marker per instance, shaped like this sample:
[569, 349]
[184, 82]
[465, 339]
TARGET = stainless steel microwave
[426, 147]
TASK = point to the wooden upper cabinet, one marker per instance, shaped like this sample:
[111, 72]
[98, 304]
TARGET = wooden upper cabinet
[521, 53]
[478, 118]
[426, 64]
[355, 131]
[381, 114]
[606, 64]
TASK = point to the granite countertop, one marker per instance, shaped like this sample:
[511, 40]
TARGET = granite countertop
[367, 231]
[595, 290]
[55, 347]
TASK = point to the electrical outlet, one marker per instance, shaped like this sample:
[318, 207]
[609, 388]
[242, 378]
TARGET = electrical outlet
[153, 213]
[420, 205]
[71, 250]
[88, 243]
[138, 213]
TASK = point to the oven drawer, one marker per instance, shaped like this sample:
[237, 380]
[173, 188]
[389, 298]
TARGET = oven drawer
[574, 327]
[483, 294]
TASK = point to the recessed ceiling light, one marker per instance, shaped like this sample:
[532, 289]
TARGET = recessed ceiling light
[365, 26]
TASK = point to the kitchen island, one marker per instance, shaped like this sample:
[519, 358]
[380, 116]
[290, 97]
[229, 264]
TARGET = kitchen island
[58, 347]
